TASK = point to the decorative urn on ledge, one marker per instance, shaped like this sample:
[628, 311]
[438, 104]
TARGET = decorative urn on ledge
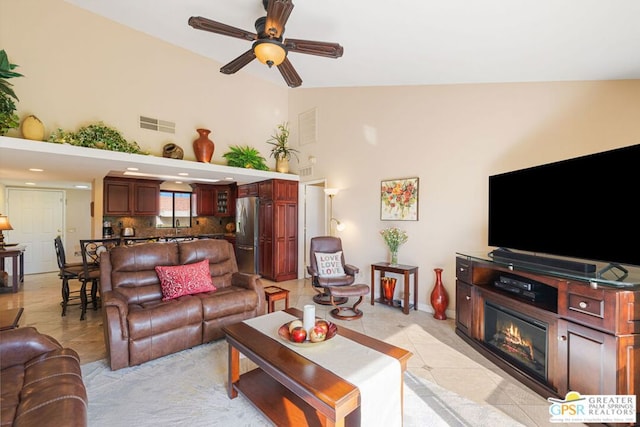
[203, 147]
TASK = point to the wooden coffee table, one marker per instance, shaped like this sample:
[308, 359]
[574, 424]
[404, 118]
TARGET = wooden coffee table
[288, 388]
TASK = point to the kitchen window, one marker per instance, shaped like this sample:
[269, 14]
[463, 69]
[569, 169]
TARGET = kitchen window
[175, 210]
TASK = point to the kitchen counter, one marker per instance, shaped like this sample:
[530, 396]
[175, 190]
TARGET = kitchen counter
[142, 239]
[211, 236]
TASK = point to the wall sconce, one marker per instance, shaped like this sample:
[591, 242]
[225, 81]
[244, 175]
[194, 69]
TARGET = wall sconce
[332, 192]
[4, 225]
[339, 226]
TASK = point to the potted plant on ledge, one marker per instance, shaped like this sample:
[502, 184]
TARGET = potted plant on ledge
[281, 150]
[8, 118]
[245, 157]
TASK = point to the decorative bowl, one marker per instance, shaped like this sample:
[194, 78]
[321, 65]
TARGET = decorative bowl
[283, 331]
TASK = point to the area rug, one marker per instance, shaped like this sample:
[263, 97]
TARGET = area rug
[189, 389]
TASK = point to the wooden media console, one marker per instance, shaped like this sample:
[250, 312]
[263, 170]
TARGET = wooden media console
[587, 328]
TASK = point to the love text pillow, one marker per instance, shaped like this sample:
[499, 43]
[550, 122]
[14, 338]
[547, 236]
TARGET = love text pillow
[329, 264]
[187, 279]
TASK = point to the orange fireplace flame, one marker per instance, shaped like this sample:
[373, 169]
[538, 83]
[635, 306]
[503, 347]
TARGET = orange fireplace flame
[513, 337]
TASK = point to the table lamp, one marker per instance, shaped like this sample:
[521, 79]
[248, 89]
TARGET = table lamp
[4, 225]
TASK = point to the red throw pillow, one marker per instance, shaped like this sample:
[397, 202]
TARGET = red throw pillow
[188, 279]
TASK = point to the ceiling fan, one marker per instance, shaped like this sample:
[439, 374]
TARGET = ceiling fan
[268, 44]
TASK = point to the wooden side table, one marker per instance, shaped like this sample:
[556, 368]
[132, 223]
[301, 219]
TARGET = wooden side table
[273, 294]
[9, 318]
[406, 271]
[17, 253]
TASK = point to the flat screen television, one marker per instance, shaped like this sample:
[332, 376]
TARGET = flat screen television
[583, 208]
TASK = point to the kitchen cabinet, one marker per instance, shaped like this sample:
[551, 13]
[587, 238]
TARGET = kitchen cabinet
[203, 199]
[225, 200]
[131, 197]
[248, 190]
[215, 200]
[278, 229]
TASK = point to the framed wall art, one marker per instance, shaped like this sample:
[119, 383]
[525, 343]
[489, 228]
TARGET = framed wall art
[399, 199]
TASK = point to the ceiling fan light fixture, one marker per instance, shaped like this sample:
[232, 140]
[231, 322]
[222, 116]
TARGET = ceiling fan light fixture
[269, 52]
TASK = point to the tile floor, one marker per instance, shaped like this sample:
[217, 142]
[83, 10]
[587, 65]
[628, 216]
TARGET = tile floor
[439, 355]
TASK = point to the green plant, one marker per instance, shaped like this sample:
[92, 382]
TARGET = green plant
[8, 118]
[394, 237]
[6, 72]
[245, 157]
[279, 141]
[97, 135]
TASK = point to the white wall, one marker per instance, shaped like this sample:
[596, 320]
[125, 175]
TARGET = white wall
[3, 207]
[452, 138]
[80, 68]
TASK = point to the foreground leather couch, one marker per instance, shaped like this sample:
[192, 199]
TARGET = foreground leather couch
[140, 326]
[41, 382]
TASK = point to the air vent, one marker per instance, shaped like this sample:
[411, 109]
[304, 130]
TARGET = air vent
[157, 125]
[308, 131]
[305, 171]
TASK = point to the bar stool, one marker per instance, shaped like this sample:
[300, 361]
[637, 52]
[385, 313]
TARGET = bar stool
[91, 250]
[67, 271]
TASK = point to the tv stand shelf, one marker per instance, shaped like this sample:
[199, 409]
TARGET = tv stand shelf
[592, 328]
[604, 274]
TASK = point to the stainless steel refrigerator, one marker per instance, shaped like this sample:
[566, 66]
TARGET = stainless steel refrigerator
[247, 234]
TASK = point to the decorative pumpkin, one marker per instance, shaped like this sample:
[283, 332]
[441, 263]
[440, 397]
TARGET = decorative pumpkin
[32, 128]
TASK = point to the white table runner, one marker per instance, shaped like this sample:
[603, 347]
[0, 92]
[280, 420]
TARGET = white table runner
[377, 376]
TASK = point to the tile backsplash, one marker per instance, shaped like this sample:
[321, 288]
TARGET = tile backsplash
[145, 226]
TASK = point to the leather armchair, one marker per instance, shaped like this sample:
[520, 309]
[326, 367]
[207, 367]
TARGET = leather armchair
[328, 245]
[41, 381]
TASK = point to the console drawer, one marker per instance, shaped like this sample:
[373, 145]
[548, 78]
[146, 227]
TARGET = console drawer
[595, 307]
[587, 305]
[463, 270]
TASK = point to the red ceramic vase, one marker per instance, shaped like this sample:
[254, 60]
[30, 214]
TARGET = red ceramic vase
[439, 297]
[203, 146]
[388, 287]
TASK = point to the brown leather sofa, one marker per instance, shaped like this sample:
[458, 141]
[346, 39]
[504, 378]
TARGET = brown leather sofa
[139, 326]
[41, 382]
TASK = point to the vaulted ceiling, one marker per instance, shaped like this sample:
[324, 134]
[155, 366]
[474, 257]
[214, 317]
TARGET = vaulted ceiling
[408, 42]
[414, 42]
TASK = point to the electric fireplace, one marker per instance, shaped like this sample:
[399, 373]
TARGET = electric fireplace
[516, 337]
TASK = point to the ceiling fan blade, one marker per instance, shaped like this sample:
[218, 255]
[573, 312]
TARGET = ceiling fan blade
[239, 62]
[329, 50]
[278, 12]
[289, 73]
[200, 23]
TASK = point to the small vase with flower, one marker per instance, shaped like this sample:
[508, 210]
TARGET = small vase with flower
[394, 237]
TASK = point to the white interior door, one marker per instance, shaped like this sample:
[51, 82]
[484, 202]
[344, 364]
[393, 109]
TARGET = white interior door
[37, 217]
[314, 216]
